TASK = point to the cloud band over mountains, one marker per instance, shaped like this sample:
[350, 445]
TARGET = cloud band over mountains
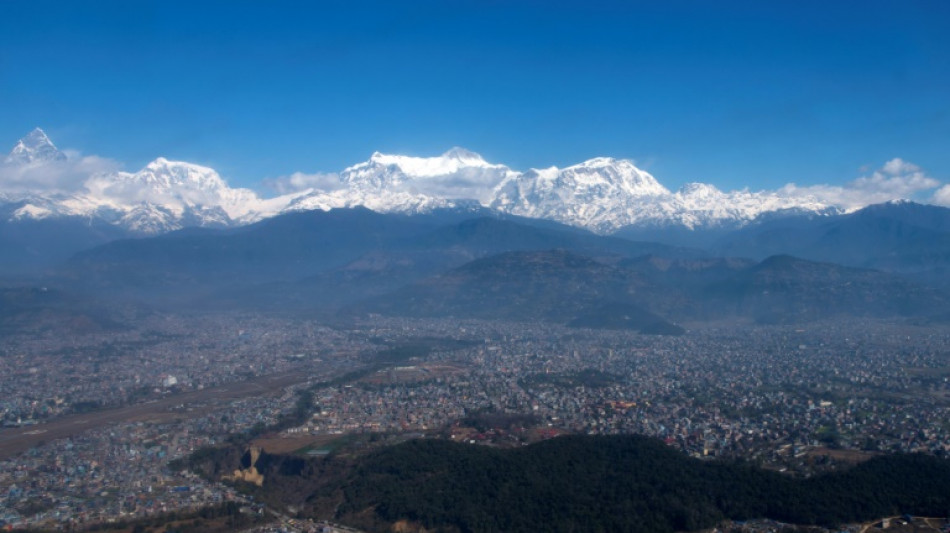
[897, 179]
[68, 175]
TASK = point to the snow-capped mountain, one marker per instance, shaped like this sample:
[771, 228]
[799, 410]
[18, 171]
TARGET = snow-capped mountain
[703, 205]
[605, 194]
[602, 194]
[163, 196]
[167, 195]
[395, 183]
[34, 148]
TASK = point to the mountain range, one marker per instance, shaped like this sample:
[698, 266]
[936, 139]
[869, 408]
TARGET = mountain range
[600, 244]
[52, 205]
[352, 262]
[602, 194]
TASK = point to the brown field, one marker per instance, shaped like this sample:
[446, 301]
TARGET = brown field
[288, 444]
[845, 456]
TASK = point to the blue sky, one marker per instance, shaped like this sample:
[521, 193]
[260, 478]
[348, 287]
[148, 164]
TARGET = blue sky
[737, 94]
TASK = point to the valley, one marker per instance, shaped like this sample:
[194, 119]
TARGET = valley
[146, 359]
[791, 398]
[474, 267]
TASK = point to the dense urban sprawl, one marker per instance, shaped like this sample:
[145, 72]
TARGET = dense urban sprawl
[786, 397]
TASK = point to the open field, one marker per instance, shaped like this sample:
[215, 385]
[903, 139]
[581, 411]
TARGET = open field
[843, 455]
[413, 373]
[293, 443]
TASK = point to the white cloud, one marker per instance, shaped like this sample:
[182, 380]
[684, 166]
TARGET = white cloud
[897, 179]
[942, 196]
[463, 183]
[897, 167]
[299, 181]
[58, 176]
[466, 183]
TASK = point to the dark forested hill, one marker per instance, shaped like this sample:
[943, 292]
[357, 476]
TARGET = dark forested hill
[584, 483]
[324, 258]
[649, 293]
[553, 285]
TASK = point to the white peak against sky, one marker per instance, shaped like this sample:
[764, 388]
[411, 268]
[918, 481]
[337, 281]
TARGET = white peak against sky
[34, 165]
[178, 186]
[602, 193]
[450, 162]
[35, 147]
[421, 167]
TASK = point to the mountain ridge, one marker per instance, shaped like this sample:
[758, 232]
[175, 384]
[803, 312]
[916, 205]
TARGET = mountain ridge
[602, 194]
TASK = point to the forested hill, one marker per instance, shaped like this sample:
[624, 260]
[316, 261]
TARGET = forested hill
[585, 483]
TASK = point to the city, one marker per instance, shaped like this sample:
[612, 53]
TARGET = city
[799, 399]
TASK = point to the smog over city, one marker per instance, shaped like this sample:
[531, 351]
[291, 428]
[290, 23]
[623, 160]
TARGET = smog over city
[474, 266]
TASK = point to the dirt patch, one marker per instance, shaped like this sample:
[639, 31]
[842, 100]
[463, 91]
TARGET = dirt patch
[280, 444]
[844, 456]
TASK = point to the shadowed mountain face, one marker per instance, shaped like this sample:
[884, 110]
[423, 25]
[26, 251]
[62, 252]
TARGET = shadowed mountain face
[902, 237]
[556, 286]
[38, 309]
[522, 285]
[898, 236]
[30, 246]
[287, 247]
[787, 290]
[324, 258]
[562, 287]
[446, 264]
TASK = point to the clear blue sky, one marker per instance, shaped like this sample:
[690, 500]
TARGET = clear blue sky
[736, 94]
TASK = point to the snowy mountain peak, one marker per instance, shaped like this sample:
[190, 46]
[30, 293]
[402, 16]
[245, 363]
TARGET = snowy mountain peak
[602, 194]
[900, 201]
[464, 156]
[398, 183]
[37, 138]
[35, 147]
[620, 175]
[450, 162]
[600, 162]
[167, 195]
[161, 163]
[704, 190]
[178, 174]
